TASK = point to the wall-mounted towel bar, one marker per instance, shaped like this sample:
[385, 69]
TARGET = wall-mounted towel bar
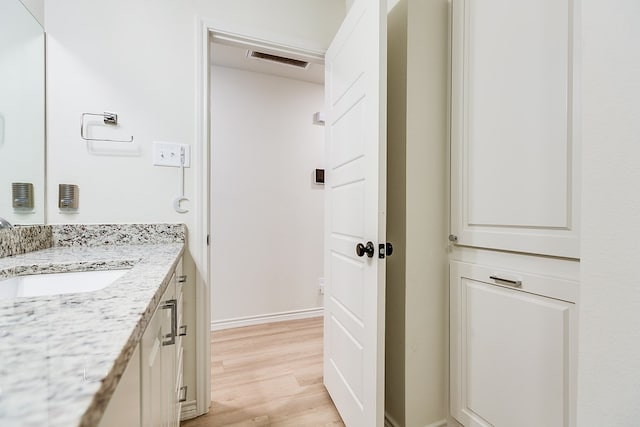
[108, 119]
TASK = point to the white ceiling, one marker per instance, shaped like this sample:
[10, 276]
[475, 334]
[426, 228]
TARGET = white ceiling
[233, 56]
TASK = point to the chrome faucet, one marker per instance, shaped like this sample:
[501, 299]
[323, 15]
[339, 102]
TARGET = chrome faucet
[4, 224]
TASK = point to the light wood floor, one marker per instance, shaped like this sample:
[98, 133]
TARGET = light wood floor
[268, 375]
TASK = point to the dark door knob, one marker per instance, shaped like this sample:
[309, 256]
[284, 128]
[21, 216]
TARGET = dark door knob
[362, 249]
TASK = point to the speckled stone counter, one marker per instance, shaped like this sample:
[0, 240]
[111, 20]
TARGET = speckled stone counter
[23, 239]
[61, 356]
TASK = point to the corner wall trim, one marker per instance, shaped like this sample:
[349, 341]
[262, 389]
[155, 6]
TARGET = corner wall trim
[189, 410]
[218, 325]
[389, 421]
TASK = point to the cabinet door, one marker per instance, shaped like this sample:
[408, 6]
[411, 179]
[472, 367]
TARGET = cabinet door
[513, 353]
[170, 355]
[158, 365]
[169, 375]
[151, 375]
[514, 153]
[124, 406]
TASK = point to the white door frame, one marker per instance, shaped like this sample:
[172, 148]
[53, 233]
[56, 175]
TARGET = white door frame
[249, 37]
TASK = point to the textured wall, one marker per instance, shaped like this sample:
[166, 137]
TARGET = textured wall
[609, 349]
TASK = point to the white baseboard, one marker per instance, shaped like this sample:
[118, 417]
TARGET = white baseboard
[441, 423]
[218, 325]
[390, 422]
[189, 410]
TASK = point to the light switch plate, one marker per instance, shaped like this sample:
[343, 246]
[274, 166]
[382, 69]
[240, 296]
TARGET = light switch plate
[168, 154]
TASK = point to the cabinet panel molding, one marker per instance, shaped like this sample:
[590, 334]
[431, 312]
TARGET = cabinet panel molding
[513, 351]
[515, 122]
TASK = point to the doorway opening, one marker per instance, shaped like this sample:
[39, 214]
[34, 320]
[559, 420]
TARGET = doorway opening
[267, 211]
[267, 208]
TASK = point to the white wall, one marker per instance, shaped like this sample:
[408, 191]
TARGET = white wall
[427, 215]
[395, 298]
[417, 214]
[268, 215]
[138, 59]
[609, 347]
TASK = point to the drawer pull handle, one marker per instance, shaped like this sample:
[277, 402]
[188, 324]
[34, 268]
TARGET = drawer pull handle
[514, 283]
[182, 279]
[172, 305]
[182, 331]
[183, 394]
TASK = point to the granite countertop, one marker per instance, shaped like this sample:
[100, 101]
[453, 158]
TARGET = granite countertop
[61, 356]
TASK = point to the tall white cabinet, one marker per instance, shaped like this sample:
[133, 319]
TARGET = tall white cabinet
[515, 219]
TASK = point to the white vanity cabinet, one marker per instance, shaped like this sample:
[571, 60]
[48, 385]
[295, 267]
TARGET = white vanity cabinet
[150, 392]
[514, 126]
[513, 348]
[161, 360]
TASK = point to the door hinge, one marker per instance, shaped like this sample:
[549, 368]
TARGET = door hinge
[208, 239]
[385, 249]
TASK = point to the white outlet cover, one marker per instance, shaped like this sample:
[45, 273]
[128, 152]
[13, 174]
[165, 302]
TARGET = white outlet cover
[168, 154]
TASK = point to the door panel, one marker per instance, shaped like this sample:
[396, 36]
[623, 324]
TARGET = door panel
[536, 131]
[348, 283]
[347, 128]
[347, 359]
[349, 208]
[350, 54]
[515, 160]
[355, 213]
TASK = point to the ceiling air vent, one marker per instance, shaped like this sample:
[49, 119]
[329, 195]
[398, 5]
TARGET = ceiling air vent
[279, 59]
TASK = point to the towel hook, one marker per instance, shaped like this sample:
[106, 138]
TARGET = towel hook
[109, 119]
[180, 198]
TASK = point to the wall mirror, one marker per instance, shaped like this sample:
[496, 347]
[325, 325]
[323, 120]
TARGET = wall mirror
[22, 114]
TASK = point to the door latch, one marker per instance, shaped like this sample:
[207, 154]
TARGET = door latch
[385, 249]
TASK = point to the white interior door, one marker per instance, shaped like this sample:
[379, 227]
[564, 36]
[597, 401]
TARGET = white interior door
[355, 214]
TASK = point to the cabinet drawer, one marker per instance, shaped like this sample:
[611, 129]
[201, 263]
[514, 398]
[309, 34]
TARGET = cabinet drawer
[513, 349]
[538, 284]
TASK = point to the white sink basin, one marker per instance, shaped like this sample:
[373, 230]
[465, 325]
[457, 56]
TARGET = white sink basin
[34, 285]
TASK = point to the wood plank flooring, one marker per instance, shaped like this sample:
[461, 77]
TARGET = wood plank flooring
[268, 375]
